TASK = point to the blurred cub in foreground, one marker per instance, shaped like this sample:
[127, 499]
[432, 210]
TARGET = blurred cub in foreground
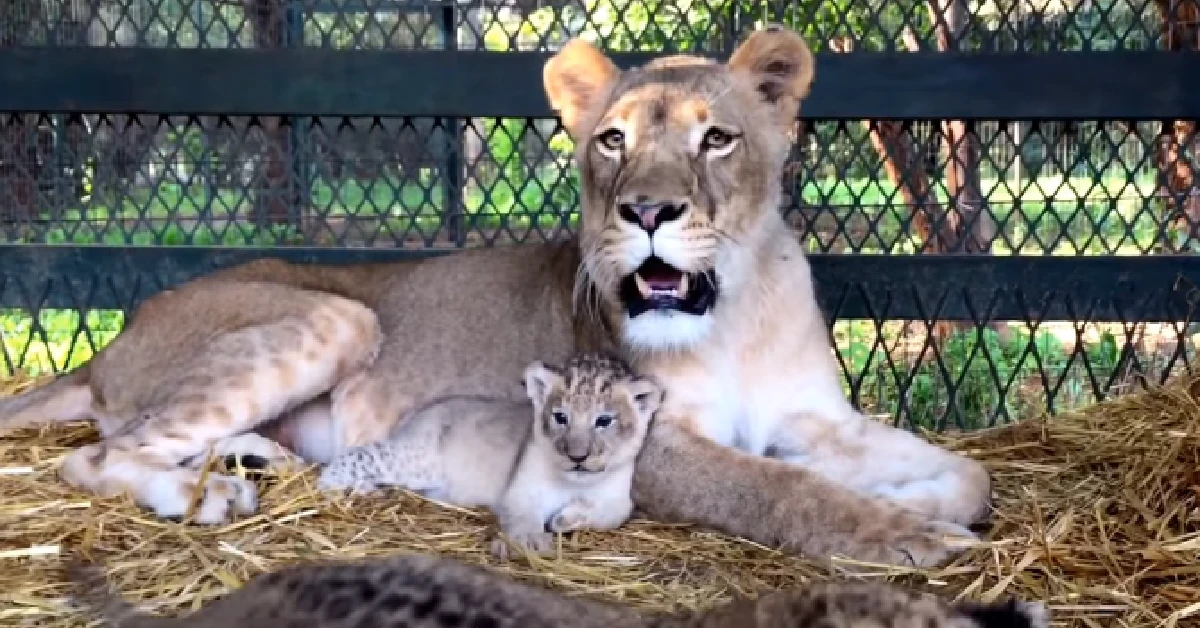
[423, 591]
[562, 461]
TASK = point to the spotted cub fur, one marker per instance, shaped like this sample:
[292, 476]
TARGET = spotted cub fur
[860, 605]
[569, 467]
[424, 591]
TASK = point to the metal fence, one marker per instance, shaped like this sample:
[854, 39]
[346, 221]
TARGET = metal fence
[1000, 196]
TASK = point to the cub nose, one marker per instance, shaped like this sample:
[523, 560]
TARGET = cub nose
[649, 215]
[577, 459]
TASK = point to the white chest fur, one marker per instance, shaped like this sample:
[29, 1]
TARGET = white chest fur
[755, 375]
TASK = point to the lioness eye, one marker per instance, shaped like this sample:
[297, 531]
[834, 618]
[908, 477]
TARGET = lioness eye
[559, 417]
[715, 138]
[604, 420]
[611, 139]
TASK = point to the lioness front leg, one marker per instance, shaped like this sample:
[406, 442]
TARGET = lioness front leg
[879, 460]
[682, 476]
[236, 381]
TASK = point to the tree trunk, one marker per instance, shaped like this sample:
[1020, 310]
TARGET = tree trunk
[902, 163]
[1177, 179]
[971, 221]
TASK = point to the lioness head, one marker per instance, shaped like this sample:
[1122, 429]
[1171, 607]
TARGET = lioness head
[680, 163]
[593, 413]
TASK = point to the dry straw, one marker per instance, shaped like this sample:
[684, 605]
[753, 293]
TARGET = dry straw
[1097, 514]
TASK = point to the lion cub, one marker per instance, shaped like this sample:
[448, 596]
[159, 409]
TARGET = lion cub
[562, 460]
[426, 591]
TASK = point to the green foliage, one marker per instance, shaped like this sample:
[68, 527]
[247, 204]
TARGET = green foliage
[976, 375]
[55, 340]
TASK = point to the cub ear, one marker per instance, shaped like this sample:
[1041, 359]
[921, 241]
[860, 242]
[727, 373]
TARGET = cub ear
[574, 79]
[781, 67]
[647, 395]
[539, 380]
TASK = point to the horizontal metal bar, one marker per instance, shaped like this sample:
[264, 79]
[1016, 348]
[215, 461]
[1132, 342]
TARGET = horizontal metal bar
[913, 287]
[1125, 85]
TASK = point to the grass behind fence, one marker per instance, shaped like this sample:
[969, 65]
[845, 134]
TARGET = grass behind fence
[1048, 215]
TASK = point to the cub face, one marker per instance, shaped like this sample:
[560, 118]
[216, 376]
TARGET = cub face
[680, 165]
[592, 414]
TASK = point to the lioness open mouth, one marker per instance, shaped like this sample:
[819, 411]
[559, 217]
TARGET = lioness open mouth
[656, 285]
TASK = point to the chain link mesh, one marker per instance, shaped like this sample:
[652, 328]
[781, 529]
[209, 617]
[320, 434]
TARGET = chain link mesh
[632, 25]
[998, 187]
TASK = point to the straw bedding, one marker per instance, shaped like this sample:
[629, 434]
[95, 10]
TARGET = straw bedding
[1097, 514]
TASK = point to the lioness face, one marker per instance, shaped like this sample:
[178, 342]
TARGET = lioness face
[591, 418]
[679, 163]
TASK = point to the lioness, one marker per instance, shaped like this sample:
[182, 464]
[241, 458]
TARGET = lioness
[683, 264]
[419, 591]
[559, 462]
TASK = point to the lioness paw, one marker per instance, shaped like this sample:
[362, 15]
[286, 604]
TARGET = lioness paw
[254, 452]
[223, 495]
[934, 545]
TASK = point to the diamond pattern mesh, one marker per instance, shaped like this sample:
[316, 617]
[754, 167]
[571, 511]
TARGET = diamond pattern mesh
[632, 25]
[997, 187]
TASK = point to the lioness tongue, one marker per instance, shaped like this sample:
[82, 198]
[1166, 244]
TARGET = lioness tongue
[662, 281]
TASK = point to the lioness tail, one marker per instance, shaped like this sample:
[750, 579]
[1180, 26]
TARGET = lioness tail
[67, 398]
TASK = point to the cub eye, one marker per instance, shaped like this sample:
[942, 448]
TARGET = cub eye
[611, 140]
[559, 417]
[716, 139]
[604, 420]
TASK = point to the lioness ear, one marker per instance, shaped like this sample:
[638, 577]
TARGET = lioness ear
[647, 395]
[781, 66]
[539, 379]
[574, 78]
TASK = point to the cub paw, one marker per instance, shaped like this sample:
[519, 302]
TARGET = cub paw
[539, 543]
[573, 516]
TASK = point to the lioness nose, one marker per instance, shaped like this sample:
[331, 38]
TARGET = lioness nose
[651, 215]
[577, 459]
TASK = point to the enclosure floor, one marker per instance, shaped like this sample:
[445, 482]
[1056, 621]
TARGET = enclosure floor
[1096, 513]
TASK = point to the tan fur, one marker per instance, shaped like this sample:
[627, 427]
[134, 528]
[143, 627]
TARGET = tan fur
[755, 438]
[518, 459]
[421, 591]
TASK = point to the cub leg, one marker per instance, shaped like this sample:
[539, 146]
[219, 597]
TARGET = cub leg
[240, 379]
[879, 460]
[521, 514]
[409, 463]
